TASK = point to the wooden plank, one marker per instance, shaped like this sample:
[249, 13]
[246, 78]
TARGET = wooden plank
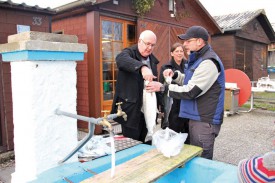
[148, 167]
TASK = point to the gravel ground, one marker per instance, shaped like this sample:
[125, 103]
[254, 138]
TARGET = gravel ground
[6, 164]
[245, 135]
[6, 168]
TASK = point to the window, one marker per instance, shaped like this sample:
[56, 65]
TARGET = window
[115, 35]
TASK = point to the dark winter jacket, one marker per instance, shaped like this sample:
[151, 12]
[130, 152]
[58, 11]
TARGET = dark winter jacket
[202, 93]
[130, 84]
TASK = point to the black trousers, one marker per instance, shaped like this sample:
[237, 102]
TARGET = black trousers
[136, 133]
[176, 123]
[203, 134]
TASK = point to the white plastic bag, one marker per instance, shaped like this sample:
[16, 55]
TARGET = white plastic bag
[97, 146]
[169, 142]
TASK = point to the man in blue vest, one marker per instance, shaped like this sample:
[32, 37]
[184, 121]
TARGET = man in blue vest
[201, 90]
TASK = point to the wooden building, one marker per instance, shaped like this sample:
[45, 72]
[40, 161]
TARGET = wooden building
[15, 18]
[271, 55]
[244, 42]
[108, 26]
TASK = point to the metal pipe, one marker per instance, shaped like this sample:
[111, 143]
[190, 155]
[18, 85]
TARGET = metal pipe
[92, 123]
[81, 144]
[75, 116]
[84, 118]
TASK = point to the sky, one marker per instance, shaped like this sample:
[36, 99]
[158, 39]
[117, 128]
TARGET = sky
[223, 7]
[214, 7]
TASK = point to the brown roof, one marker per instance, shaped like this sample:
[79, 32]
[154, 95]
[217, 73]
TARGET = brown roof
[235, 22]
[238, 20]
[23, 6]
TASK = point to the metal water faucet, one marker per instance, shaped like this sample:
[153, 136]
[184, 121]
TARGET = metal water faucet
[104, 122]
[120, 112]
[92, 122]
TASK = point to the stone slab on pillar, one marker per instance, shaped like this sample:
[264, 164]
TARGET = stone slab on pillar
[43, 76]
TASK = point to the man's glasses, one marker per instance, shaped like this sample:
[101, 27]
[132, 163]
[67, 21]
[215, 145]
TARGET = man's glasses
[148, 44]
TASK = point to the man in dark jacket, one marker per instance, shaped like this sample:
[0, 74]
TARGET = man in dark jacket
[202, 90]
[136, 64]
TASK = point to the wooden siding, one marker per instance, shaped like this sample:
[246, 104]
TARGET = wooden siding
[253, 31]
[188, 13]
[224, 46]
[251, 58]
[259, 59]
[9, 19]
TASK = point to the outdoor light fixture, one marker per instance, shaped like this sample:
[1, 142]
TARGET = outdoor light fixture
[115, 2]
[172, 8]
[93, 1]
[171, 5]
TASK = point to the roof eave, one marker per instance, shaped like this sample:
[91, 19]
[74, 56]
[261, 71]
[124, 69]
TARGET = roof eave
[267, 27]
[78, 4]
[24, 7]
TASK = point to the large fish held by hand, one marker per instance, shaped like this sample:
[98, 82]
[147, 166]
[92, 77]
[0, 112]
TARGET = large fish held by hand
[150, 110]
[167, 102]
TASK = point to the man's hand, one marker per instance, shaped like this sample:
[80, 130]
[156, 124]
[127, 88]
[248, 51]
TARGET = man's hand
[147, 73]
[153, 86]
[168, 73]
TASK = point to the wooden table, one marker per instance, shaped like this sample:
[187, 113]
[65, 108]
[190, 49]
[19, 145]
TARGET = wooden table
[147, 168]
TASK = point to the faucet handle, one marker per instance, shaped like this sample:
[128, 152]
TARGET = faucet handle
[119, 105]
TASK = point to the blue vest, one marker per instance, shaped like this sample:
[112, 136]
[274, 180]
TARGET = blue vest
[208, 107]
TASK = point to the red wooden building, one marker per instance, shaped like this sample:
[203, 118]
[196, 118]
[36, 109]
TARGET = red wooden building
[13, 19]
[108, 26]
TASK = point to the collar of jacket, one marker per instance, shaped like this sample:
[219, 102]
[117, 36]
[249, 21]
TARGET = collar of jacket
[193, 57]
[176, 66]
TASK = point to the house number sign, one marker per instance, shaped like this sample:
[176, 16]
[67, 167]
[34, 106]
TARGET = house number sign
[37, 20]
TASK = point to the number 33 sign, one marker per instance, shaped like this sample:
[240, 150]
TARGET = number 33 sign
[37, 20]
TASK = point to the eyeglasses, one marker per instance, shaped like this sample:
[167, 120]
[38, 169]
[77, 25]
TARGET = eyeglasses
[148, 44]
[190, 40]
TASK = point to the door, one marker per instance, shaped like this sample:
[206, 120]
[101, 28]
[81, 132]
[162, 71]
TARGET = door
[244, 57]
[116, 34]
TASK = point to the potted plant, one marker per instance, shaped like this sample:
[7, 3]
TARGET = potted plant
[143, 6]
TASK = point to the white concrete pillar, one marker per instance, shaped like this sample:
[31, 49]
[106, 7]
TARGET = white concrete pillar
[43, 72]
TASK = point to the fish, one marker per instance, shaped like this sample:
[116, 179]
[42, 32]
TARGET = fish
[167, 102]
[150, 110]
